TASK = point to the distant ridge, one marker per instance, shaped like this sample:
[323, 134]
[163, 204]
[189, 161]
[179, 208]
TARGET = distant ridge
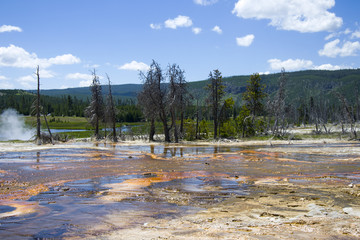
[300, 86]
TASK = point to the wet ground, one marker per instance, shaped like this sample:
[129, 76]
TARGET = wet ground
[300, 190]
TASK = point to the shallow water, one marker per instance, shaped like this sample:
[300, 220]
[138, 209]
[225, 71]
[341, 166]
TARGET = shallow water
[68, 192]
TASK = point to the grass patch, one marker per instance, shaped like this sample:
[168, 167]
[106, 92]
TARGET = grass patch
[72, 135]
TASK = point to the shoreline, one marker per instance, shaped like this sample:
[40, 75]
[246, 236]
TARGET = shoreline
[14, 146]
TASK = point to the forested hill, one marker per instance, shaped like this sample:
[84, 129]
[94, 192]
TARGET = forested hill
[118, 91]
[300, 85]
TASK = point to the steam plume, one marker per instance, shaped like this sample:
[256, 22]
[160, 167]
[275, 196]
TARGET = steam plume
[12, 127]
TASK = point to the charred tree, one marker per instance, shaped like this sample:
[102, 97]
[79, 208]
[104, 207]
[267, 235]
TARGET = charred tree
[111, 112]
[277, 107]
[176, 98]
[38, 124]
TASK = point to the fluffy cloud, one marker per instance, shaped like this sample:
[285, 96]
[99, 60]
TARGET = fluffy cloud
[135, 66]
[46, 73]
[205, 2]
[290, 64]
[3, 77]
[81, 76]
[86, 78]
[14, 56]
[297, 15]
[331, 67]
[355, 34]
[179, 21]
[155, 26]
[337, 34]
[332, 49]
[8, 28]
[63, 60]
[217, 29]
[196, 30]
[245, 41]
[7, 85]
[301, 64]
[28, 81]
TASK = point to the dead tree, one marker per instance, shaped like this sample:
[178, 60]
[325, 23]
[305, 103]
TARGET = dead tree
[177, 97]
[38, 124]
[216, 93]
[277, 107]
[110, 111]
[94, 112]
[147, 100]
[347, 111]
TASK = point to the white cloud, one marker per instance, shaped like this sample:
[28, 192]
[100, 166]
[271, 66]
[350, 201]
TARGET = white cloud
[28, 82]
[301, 64]
[264, 73]
[64, 60]
[86, 78]
[245, 41]
[7, 85]
[82, 76]
[331, 67]
[217, 29]
[85, 83]
[297, 15]
[179, 21]
[330, 36]
[337, 34]
[46, 73]
[8, 28]
[135, 66]
[347, 31]
[155, 26]
[91, 66]
[14, 56]
[196, 30]
[3, 77]
[331, 49]
[205, 2]
[290, 64]
[355, 34]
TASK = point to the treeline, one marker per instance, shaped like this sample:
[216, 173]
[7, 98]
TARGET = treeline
[22, 101]
[256, 111]
[216, 109]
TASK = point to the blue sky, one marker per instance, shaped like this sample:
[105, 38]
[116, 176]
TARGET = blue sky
[69, 38]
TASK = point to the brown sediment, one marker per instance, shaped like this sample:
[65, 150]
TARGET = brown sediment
[119, 191]
[24, 194]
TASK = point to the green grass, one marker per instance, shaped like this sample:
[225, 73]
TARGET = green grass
[60, 122]
[72, 135]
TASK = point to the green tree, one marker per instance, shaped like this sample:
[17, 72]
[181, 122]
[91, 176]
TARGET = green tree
[254, 95]
[216, 93]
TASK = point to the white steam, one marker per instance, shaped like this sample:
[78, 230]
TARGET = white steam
[12, 127]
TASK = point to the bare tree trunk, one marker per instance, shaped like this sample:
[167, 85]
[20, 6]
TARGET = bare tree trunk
[38, 124]
[152, 129]
[47, 125]
[165, 125]
[111, 111]
[173, 119]
[197, 119]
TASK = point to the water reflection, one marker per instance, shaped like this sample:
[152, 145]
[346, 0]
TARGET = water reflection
[85, 187]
